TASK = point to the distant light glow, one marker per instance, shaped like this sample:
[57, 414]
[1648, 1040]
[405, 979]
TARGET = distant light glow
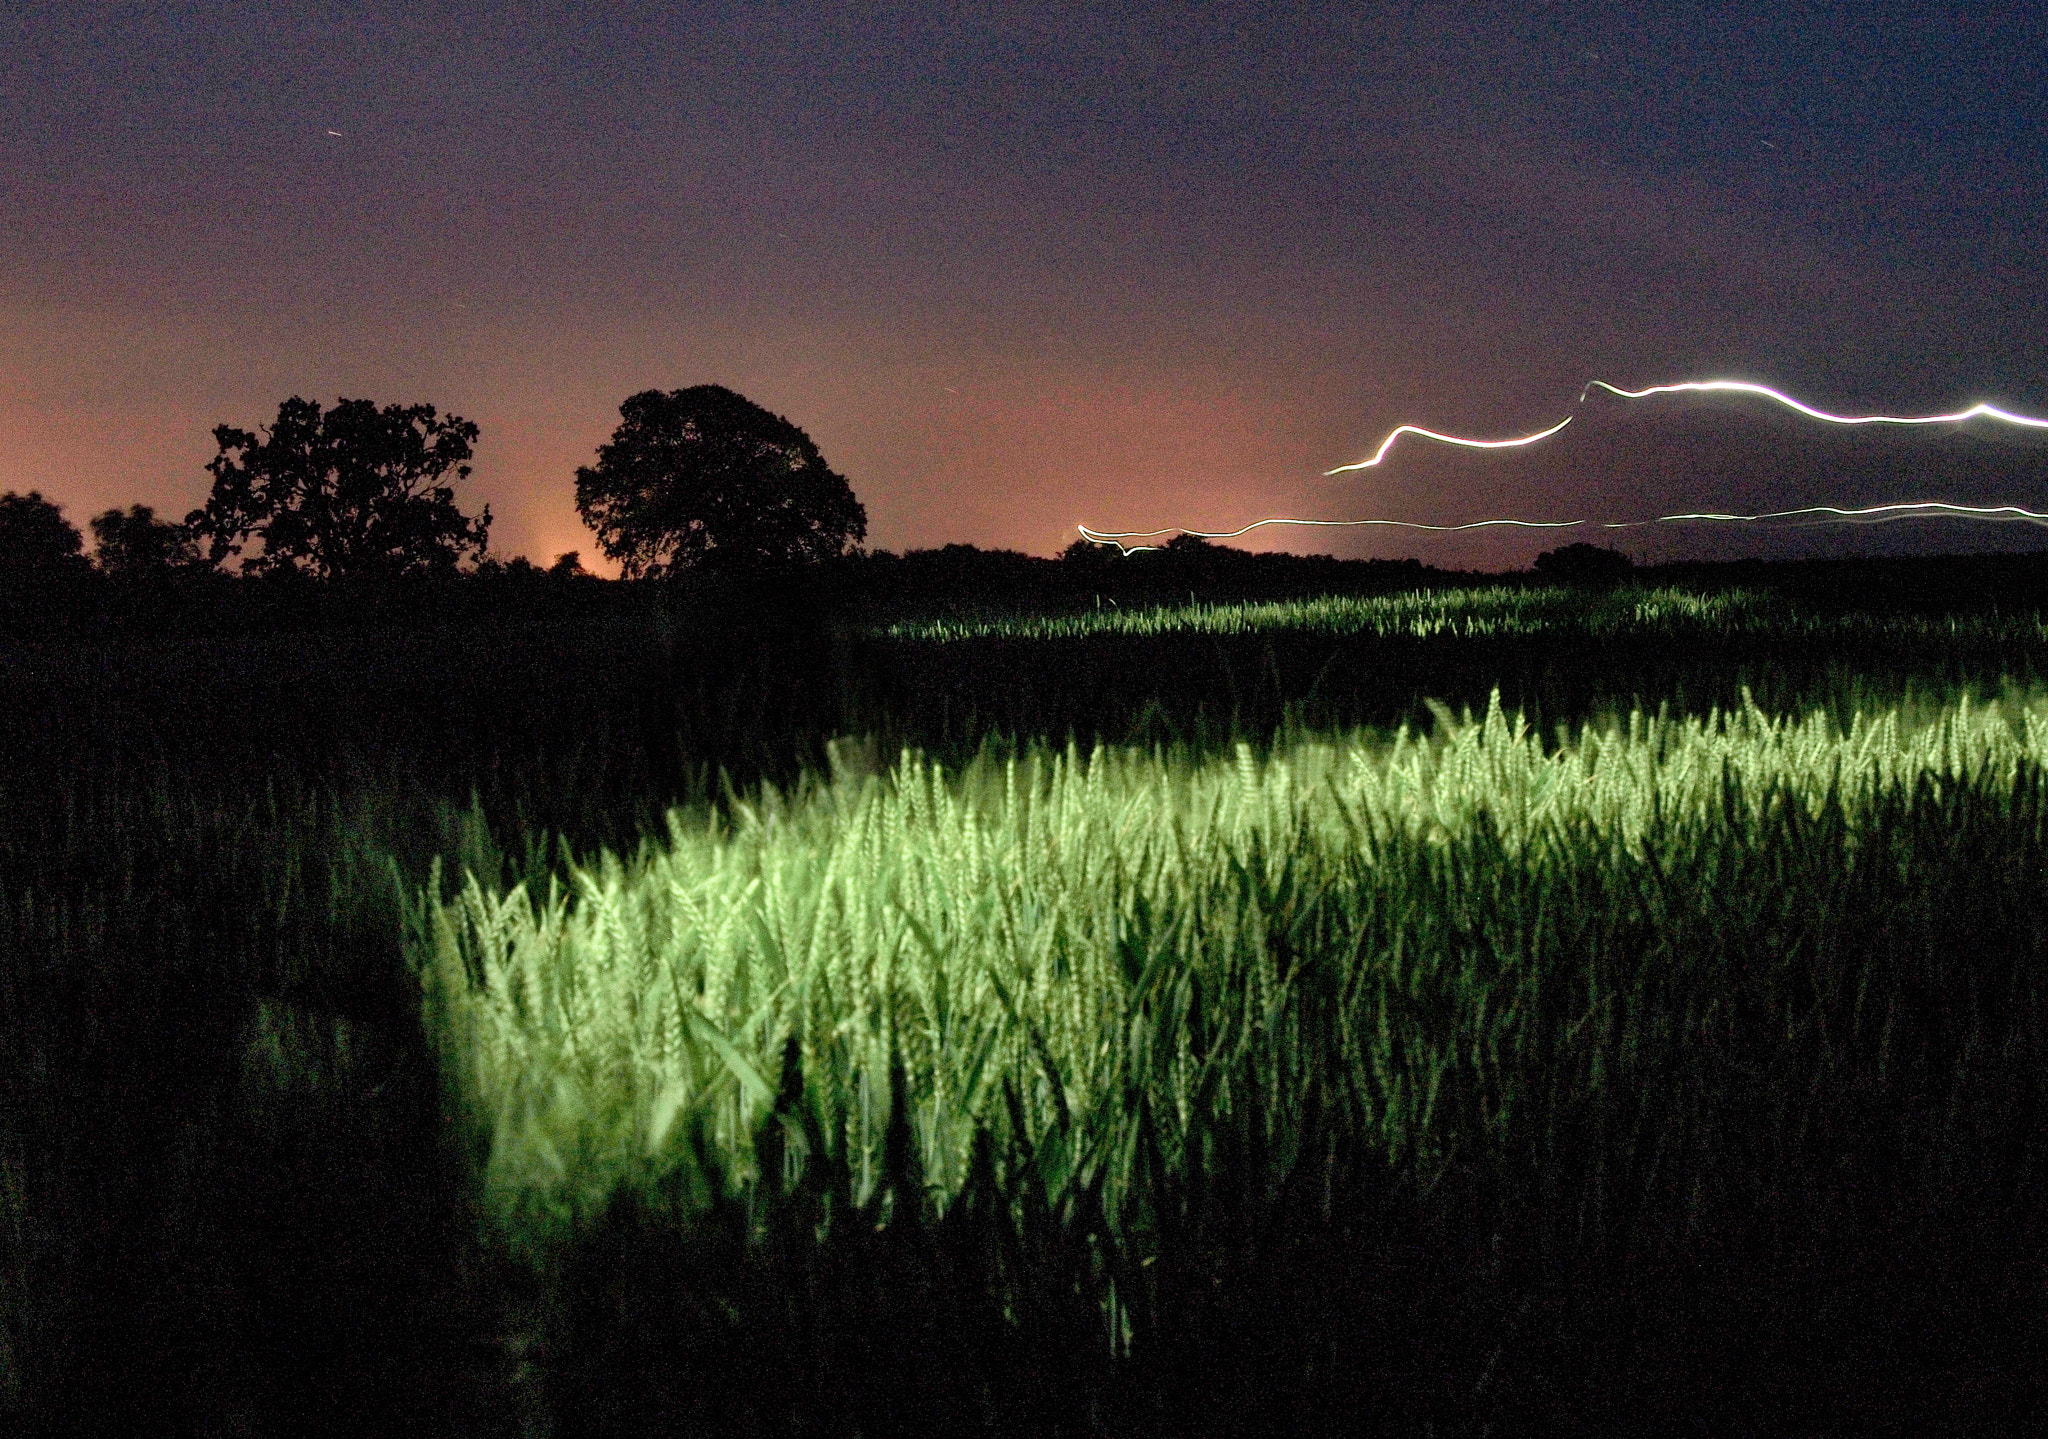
[1828, 514]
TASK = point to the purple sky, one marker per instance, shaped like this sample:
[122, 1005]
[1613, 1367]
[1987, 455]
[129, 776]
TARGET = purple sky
[1018, 267]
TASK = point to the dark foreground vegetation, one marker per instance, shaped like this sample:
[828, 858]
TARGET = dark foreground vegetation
[231, 1199]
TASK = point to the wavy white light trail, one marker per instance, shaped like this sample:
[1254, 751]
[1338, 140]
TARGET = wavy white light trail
[1874, 514]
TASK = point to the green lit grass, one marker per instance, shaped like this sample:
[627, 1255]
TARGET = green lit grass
[1496, 610]
[1632, 971]
[1209, 675]
[1503, 611]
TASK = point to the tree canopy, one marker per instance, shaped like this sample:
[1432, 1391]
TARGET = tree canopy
[36, 542]
[706, 477]
[138, 545]
[351, 492]
[1584, 564]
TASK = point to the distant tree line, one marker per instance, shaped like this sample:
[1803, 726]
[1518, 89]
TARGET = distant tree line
[332, 507]
[148, 573]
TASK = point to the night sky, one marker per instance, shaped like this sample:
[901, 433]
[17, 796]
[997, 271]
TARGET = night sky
[1016, 267]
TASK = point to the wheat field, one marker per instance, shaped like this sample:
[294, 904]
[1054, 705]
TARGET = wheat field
[454, 1046]
[1580, 961]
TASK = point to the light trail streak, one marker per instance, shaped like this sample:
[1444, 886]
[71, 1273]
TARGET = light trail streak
[1989, 412]
[1112, 536]
[1872, 514]
[1832, 514]
[1400, 430]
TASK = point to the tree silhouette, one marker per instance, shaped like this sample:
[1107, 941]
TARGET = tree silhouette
[706, 477]
[1088, 555]
[1584, 564]
[37, 544]
[351, 492]
[138, 545]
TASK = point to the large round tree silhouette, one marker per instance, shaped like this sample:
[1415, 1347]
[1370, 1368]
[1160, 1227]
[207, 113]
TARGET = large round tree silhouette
[704, 477]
